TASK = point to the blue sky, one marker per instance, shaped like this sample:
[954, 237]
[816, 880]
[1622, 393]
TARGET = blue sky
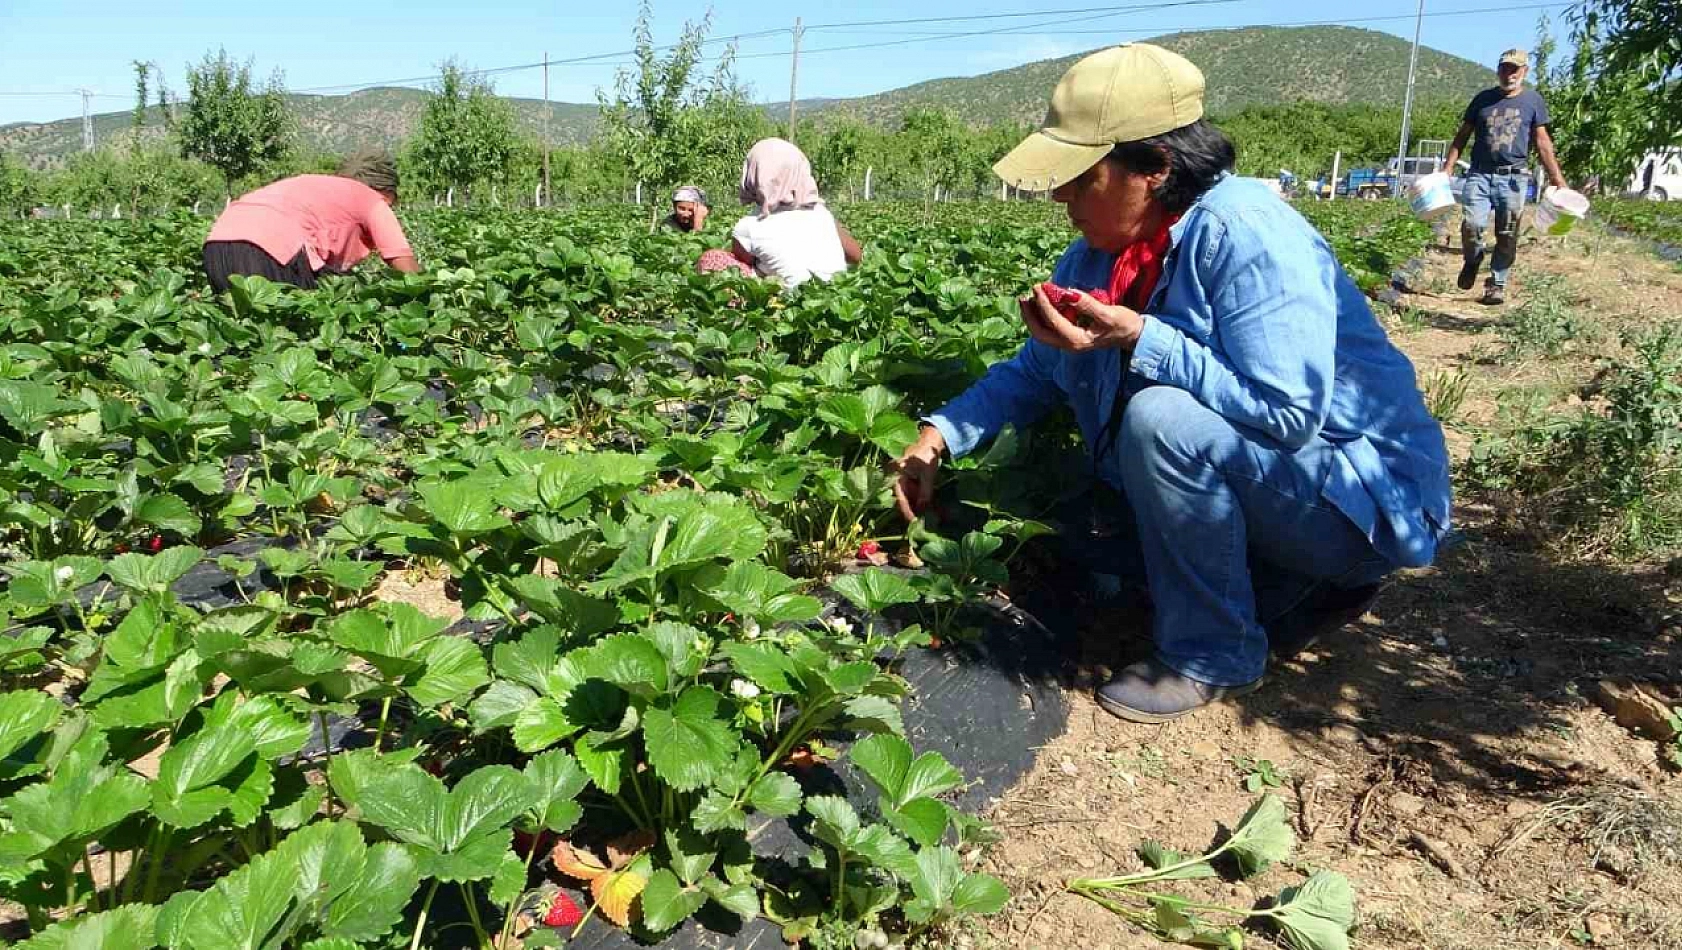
[48, 47]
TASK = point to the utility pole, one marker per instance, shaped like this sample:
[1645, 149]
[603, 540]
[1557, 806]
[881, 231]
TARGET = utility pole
[794, 76]
[545, 200]
[87, 119]
[1407, 100]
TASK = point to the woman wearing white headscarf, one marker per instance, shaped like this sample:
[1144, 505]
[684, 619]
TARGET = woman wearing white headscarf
[689, 210]
[790, 236]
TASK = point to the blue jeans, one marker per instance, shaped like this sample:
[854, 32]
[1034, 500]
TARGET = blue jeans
[1504, 194]
[1230, 528]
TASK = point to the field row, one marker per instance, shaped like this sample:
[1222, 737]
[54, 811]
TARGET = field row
[659, 498]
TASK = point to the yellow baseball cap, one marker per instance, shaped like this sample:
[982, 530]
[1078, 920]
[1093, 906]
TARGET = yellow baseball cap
[1122, 94]
[1516, 57]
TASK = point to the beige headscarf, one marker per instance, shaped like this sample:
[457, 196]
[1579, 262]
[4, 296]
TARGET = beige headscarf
[777, 177]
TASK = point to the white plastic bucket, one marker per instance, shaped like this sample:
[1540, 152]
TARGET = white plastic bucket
[1431, 196]
[1559, 210]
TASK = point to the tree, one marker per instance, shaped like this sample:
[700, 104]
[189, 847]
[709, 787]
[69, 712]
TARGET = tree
[466, 137]
[148, 179]
[667, 124]
[18, 187]
[1642, 47]
[836, 150]
[142, 94]
[1608, 103]
[230, 124]
[933, 145]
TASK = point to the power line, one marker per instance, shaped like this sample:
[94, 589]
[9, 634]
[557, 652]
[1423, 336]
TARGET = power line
[613, 59]
[597, 59]
[1112, 11]
[994, 16]
[593, 59]
[1339, 22]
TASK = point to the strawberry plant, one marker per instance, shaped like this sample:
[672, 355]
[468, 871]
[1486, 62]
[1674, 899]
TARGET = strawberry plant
[641, 483]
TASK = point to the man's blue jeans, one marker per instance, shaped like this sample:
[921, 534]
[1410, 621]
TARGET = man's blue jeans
[1230, 527]
[1504, 195]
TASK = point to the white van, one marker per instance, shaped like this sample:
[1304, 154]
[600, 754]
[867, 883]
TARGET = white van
[1658, 176]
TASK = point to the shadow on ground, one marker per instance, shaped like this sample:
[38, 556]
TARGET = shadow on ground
[1497, 641]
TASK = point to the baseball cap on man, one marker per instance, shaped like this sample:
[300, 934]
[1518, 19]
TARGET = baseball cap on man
[1121, 94]
[1515, 57]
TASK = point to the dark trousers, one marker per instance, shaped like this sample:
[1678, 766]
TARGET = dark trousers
[223, 259]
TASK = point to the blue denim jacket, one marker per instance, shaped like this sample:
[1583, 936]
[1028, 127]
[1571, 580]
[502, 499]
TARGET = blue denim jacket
[1254, 316]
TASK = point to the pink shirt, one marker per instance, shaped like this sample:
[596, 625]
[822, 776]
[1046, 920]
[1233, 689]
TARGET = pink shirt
[336, 221]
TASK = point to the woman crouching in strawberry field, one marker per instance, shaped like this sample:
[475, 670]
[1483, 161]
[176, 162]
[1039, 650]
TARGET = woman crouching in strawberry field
[1272, 447]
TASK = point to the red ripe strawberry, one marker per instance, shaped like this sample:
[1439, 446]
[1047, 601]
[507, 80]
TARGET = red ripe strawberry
[1066, 300]
[868, 550]
[563, 912]
[155, 543]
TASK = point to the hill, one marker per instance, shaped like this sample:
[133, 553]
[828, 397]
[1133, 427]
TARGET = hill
[380, 116]
[1252, 66]
[1336, 65]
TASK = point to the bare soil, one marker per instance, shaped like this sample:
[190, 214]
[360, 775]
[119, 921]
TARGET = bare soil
[1446, 753]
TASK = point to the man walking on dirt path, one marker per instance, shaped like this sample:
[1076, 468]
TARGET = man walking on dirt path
[1505, 120]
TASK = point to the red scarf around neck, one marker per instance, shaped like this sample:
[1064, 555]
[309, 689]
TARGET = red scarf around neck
[1138, 267]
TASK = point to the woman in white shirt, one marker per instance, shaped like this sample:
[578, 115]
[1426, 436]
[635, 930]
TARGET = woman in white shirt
[791, 236]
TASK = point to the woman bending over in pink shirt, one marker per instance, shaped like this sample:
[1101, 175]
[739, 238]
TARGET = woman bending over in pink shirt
[295, 229]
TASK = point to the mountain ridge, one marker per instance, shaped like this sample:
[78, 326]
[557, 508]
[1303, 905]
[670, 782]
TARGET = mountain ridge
[1244, 67]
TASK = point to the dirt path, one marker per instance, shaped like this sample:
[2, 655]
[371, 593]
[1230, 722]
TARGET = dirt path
[1447, 755]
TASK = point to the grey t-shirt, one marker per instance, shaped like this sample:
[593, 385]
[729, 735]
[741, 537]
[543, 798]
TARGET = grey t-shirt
[1502, 127]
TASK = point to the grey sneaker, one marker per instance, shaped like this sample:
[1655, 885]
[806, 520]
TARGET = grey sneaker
[1150, 692]
[1493, 296]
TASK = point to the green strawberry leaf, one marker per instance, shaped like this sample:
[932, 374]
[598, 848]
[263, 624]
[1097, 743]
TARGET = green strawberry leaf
[667, 903]
[168, 512]
[874, 590]
[556, 779]
[923, 820]
[463, 507]
[1262, 837]
[152, 573]
[740, 899]
[776, 794]
[129, 927]
[1319, 914]
[23, 716]
[765, 664]
[692, 742]
[454, 668]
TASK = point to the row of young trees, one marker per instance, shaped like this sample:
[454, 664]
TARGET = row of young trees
[669, 122]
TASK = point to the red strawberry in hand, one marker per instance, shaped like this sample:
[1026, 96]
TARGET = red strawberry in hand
[563, 912]
[1066, 300]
